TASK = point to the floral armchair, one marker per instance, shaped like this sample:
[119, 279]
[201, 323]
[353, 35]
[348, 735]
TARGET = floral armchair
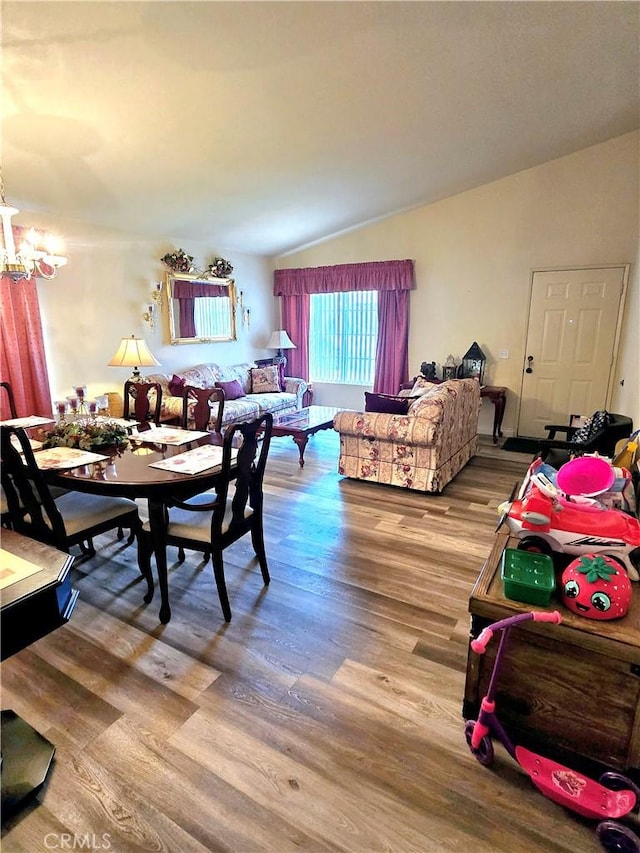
[422, 450]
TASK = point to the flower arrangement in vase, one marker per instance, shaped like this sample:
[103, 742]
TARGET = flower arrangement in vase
[85, 435]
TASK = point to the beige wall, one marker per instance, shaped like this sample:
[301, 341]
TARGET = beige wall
[99, 297]
[474, 253]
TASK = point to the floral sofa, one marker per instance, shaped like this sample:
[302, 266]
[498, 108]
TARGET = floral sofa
[423, 449]
[244, 408]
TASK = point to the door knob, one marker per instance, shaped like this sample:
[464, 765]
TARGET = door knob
[529, 368]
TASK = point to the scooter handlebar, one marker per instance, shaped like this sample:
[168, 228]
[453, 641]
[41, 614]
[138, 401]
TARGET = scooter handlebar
[479, 645]
[542, 616]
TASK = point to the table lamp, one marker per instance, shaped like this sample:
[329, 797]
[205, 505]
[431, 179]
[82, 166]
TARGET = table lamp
[133, 352]
[280, 340]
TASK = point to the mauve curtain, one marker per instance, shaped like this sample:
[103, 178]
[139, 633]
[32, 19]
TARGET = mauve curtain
[295, 320]
[392, 350]
[392, 279]
[187, 317]
[22, 356]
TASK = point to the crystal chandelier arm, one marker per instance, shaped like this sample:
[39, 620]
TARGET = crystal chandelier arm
[29, 258]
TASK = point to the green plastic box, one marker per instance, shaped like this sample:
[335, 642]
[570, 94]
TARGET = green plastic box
[527, 576]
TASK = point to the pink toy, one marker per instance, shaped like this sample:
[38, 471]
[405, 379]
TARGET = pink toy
[585, 475]
[596, 587]
[546, 520]
[608, 800]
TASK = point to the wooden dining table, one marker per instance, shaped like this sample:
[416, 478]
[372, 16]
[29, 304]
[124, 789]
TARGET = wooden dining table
[127, 472]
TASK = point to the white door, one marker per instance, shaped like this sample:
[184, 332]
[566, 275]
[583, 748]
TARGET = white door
[571, 345]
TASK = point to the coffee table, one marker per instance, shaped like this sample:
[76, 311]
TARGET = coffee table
[304, 423]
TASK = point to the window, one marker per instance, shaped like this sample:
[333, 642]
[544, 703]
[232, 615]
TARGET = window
[211, 317]
[343, 334]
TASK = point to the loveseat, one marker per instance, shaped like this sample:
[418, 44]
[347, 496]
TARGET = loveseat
[278, 394]
[423, 449]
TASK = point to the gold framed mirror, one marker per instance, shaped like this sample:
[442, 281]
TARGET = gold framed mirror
[201, 310]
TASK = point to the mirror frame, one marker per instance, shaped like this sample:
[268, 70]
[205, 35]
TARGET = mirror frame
[225, 282]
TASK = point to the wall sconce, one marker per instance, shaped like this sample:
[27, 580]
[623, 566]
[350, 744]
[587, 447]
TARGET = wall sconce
[240, 300]
[150, 310]
[246, 317]
[156, 293]
[148, 315]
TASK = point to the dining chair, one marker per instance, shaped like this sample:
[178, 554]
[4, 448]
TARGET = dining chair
[11, 402]
[142, 402]
[72, 518]
[213, 525]
[202, 411]
[5, 519]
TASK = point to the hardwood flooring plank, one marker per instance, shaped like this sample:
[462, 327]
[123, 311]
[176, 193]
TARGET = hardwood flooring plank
[86, 796]
[284, 786]
[160, 661]
[114, 680]
[398, 755]
[194, 796]
[46, 696]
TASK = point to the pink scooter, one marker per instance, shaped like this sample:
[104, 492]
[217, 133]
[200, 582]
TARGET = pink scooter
[613, 797]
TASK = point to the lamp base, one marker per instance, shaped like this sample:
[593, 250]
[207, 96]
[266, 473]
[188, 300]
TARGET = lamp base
[136, 376]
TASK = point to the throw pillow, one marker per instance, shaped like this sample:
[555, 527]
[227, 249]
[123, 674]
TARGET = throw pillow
[390, 404]
[597, 421]
[422, 385]
[425, 403]
[176, 386]
[265, 380]
[232, 390]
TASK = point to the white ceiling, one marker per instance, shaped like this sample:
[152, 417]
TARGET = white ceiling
[260, 127]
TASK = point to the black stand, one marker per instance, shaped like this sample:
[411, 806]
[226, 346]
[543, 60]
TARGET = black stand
[26, 758]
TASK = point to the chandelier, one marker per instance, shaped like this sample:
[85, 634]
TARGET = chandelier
[37, 254]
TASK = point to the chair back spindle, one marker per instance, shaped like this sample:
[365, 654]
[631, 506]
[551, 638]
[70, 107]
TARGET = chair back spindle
[202, 410]
[142, 402]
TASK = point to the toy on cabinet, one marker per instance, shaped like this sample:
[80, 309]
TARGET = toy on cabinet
[596, 587]
[547, 520]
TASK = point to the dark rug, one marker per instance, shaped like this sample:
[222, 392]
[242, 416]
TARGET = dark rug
[522, 445]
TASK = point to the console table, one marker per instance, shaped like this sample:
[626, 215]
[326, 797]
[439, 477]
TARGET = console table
[31, 608]
[570, 691]
[498, 396]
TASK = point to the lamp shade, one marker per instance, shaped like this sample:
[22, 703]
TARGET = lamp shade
[280, 340]
[133, 352]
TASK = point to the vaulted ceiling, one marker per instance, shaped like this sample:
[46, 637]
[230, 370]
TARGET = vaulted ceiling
[263, 126]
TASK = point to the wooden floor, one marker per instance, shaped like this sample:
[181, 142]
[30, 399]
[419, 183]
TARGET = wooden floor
[325, 716]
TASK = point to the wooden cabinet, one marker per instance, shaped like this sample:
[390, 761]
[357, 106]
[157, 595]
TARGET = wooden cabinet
[570, 691]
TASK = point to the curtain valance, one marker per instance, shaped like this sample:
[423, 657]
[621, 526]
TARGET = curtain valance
[373, 275]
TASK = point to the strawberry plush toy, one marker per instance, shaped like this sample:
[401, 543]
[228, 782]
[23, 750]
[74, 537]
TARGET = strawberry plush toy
[597, 587]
